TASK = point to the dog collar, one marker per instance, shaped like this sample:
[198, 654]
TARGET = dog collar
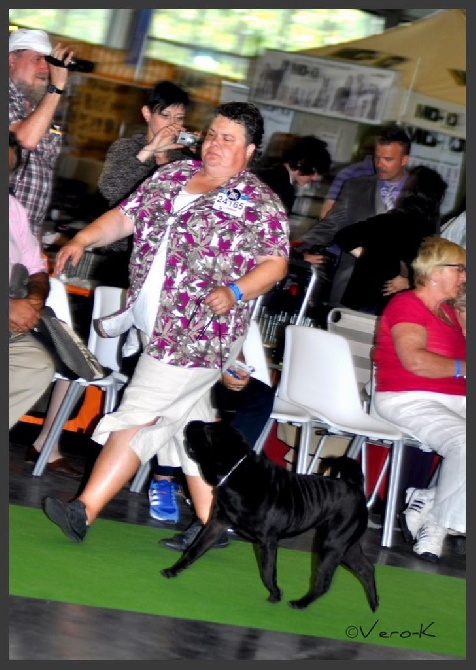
[225, 477]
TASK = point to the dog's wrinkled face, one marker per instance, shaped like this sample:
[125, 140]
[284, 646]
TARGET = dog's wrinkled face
[215, 446]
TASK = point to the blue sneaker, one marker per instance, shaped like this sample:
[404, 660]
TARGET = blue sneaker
[162, 502]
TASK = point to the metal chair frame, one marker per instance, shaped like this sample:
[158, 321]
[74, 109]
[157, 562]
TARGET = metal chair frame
[107, 299]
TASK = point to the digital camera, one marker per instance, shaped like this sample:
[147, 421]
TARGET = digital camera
[75, 65]
[186, 138]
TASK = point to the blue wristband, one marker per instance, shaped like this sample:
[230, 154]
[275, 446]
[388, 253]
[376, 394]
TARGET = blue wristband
[458, 369]
[236, 291]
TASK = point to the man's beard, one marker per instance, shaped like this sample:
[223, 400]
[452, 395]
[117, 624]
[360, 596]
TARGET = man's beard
[32, 93]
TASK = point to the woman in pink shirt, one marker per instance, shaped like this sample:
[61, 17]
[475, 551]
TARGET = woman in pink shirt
[420, 359]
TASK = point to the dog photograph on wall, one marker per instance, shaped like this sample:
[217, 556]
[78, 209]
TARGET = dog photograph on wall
[264, 502]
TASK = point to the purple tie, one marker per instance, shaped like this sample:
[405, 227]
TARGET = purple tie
[387, 196]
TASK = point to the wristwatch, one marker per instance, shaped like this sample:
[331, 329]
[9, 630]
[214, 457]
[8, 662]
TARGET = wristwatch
[51, 88]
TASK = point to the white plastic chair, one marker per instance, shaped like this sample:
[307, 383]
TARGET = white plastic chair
[285, 411]
[107, 299]
[324, 384]
[255, 355]
[58, 300]
[358, 328]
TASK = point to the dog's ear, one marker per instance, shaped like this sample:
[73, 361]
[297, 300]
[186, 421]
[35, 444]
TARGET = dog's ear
[208, 431]
[193, 430]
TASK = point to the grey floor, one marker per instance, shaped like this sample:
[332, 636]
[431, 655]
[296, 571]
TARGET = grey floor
[46, 630]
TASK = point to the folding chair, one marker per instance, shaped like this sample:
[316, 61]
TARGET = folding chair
[107, 299]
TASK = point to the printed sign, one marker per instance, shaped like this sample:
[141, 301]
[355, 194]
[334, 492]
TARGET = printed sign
[322, 86]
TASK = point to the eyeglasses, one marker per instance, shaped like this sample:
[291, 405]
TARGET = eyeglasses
[459, 266]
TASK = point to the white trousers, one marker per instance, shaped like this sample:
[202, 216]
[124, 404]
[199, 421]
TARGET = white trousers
[439, 421]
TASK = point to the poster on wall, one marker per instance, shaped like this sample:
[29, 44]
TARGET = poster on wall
[276, 120]
[232, 92]
[442, 153]
[322, 86]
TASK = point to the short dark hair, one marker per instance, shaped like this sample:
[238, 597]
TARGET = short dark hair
[308, 155]
[247, 115]
[394, 133]
[164, 94]
[423, 191]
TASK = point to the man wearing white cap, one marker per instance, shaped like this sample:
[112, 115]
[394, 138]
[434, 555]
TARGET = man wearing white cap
[35, 89]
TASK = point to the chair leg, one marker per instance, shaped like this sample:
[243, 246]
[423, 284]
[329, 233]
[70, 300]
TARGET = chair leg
[355, 446]
[110, 397]
[304, 444]
[140, 478]
[396, 462]
[312, 464]
[261, 441]
[66, 407]
[373, 496]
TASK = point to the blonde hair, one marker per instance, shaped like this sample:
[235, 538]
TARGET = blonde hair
[435, 251]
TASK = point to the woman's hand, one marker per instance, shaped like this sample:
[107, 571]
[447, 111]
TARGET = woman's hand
[395, 285]
[70, 252]
[236, 380]
[163, 141]
[220, 300]
[315, 259]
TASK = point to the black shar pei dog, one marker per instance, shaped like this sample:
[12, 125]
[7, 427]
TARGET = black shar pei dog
[263, 502]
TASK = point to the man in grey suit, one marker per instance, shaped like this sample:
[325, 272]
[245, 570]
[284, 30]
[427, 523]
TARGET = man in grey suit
[360, 199]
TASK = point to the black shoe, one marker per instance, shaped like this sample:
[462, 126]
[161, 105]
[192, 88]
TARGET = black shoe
[457, 544]
[182, 541]
[70, 517]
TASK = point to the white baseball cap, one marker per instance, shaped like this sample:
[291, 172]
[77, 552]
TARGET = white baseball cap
[34, 40]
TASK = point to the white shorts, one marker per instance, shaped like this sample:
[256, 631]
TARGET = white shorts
[172, 396]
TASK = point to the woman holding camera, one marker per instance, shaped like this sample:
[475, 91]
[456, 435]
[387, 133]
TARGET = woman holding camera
[130, 160]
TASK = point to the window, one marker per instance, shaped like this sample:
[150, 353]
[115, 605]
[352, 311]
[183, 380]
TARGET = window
[219, 41]
[73, 23]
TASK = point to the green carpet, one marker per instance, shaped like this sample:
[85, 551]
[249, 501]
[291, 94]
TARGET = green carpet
[118, 567]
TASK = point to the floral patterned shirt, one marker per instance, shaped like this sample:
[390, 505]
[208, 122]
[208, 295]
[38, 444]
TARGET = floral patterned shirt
[207, 247]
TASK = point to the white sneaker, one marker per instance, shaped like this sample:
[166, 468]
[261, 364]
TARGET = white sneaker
[420, 502]
[430, 538]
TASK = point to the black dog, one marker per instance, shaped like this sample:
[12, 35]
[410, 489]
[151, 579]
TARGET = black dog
[263, 502]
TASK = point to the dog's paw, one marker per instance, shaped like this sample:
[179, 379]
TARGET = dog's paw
[300, 604]
[168, 572]
[275, 597]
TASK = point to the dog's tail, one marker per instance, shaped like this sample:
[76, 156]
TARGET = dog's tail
[342, 467]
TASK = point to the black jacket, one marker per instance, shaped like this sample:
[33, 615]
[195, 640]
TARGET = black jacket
[386, 240]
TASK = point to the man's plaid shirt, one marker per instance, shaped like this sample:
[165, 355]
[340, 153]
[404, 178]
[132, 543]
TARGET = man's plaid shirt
[32, 183]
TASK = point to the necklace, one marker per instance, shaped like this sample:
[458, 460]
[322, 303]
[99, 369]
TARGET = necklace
[440, 314]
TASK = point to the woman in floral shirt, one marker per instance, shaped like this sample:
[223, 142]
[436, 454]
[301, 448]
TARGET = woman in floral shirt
[209, 236]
